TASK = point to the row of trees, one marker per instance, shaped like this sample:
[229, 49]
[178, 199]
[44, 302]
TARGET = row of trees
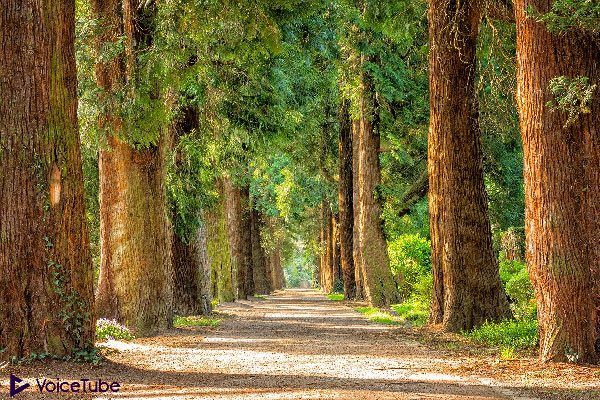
[557, 58]
[214, 139]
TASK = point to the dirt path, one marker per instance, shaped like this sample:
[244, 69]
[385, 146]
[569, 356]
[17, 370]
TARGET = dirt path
[296, 344]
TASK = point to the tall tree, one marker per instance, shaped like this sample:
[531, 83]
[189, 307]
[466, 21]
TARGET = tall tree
[379, 285]
[346, 201]
[358, 278]
[466, 284]
[46, 290]
[135, 281]
[562, 182]
[235, 216]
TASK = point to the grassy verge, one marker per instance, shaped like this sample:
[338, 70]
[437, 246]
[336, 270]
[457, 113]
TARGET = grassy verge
[378, 316]
[181, 322]
[415, 312]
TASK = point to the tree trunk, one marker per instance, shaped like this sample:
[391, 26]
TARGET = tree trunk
[466, 283]
[379, 284]
[246, 227]
[261, 276]
[135, 281]
[356, 211]
[562, 189]
[45, 259]
[218, 249]
[192, 287]
[345, 198]
[235, 215]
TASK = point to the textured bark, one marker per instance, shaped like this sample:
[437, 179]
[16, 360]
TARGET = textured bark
[262, 281]
[379, 284]
[345, 200]
[42, 217]
[135, 281]
[356, 211]
[466, 282]
[335, 247]
[246, 227]
[191, 287]
[233, 211]
[562, 189]
[219, 255]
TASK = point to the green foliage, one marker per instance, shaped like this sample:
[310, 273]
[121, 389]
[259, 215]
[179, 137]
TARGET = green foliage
[181, 322]
[107, 329]
[582, 16]
[336, 296]
[572, 96]
[515, 334]
[515, 278]
[415, 311]
[409, 260]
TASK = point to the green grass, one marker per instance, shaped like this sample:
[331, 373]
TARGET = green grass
[378, 316]
[181, 322]
[336, 296]
[508, 334]
[414, 311]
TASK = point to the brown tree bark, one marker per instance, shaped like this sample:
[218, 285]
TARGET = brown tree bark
[233, 211]
[192, 292]
[345, 200]
[466, 282]
[135, 281]
[379, 284]
[246, 227]
[562, 189]
[262, 281]
[44, 247]
[356, 211]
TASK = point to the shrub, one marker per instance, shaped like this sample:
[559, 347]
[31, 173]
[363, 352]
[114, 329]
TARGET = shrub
[515, 334]
[515, 278]
[410, 260]
[110, 329]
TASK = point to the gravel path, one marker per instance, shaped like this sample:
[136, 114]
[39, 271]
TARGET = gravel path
[296, 344]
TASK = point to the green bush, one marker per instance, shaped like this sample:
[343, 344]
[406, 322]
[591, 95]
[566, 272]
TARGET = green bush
[410, 261]
[515, 334]
[515, 278]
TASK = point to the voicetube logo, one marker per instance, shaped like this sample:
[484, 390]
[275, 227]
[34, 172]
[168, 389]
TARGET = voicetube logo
[58, 386]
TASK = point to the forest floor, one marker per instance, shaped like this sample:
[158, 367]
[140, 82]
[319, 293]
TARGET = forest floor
[297, 344]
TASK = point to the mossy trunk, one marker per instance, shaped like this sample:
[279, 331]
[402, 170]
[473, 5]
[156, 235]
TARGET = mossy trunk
[358, 277]
[135, 279]
[235, 225]
[192, 292]
[379, 285]
[45, 259]
[218, 250]
[260, 269]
